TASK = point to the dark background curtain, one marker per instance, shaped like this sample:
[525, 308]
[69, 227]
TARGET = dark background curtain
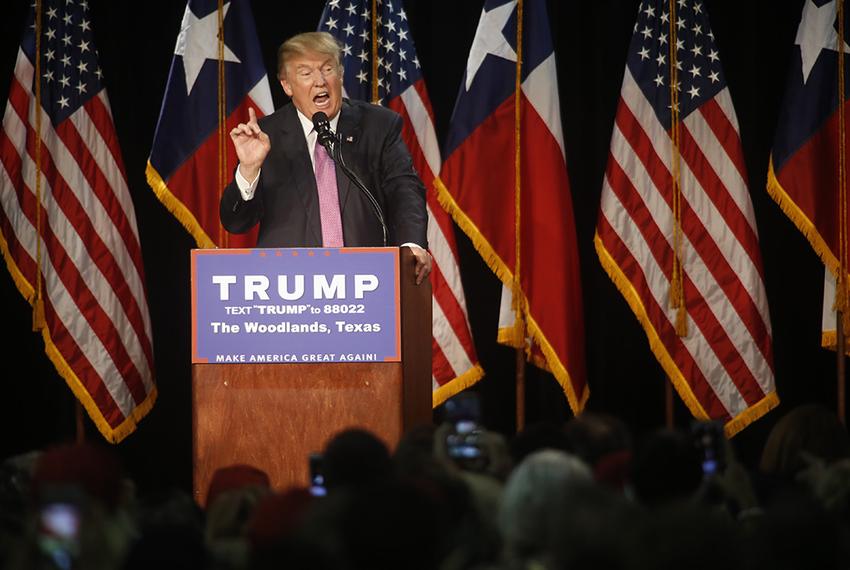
[136, 42]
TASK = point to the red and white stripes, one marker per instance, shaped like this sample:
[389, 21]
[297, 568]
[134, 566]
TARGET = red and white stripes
[723, 367]
[454, 363]
[98, 331]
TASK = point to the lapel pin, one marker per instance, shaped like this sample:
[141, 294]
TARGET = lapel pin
[349, 138]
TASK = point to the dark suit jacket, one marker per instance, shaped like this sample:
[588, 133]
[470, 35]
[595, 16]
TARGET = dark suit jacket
[286, 203]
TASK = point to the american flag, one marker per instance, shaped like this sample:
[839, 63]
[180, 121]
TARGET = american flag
[78, 249]
[400, 87]
[722, 366]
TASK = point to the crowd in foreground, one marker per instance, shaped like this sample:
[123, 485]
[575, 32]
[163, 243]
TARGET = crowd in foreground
[579, 496]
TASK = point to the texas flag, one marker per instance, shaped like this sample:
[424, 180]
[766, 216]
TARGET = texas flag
[192, 158]
[504, 180]
[810, 149]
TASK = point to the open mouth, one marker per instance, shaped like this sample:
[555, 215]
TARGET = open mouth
[322, 100]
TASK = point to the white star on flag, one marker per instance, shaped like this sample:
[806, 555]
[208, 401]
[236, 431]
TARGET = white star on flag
[489, 40]
[815, 34]
[194, 46]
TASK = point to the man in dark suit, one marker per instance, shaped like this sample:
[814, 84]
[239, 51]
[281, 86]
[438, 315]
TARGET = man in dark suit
[288, 184]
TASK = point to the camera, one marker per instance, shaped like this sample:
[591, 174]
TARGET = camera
[710, 440]
[464, 443]
[60, 520]
[317, 476]
[58, 532]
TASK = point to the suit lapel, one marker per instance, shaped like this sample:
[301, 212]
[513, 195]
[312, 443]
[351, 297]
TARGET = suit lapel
[303, 177]
[349, 131]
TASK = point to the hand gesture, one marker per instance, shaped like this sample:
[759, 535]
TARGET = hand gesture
[251, 144]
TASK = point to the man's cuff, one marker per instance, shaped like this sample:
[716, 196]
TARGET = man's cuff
[246, 188]
[411, 244]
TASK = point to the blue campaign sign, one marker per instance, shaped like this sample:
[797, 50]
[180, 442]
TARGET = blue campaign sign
[295, 305]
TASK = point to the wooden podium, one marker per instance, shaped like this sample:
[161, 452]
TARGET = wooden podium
[272, 416]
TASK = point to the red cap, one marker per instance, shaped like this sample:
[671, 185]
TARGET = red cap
[87, 468]
[235, 477]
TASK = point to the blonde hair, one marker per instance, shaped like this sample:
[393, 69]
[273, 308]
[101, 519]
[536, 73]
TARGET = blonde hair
[307, 42]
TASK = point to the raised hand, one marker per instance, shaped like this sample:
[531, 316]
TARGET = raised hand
[251, 144]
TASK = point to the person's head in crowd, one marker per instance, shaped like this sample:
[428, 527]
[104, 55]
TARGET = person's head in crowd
[666, 469]
[310, 71]
[15, 476]
[464, 499]
[798, 533]
[278, 516]
[808, 432]
[78, 509]
[233, 494]
[533, 497]
[168, 546]
[233, 477]
[356, 458]
[170, 507]
[686, 535]
[415, 461]
[415, 451]
[395, 525]
[613, 470]
[170, 532]
[592, 435]
[830, 487]
[536, 437]
[593, 530]
[80, 469]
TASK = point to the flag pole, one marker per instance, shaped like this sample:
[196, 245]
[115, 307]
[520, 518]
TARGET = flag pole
[518, 299]
[222, 119]
[375, 93]
[842, 298]
[668, 404]
[80, 423]
[840, 348]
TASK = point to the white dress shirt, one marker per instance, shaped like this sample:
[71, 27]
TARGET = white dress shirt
[247, 188]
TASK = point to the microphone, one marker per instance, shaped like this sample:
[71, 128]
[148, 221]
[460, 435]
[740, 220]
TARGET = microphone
[328, 139]
[323, 131]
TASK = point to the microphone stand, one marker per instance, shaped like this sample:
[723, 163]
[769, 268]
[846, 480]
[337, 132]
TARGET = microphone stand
[333, 143]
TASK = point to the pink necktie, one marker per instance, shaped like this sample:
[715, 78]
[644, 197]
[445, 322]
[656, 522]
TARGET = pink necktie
[328, 198]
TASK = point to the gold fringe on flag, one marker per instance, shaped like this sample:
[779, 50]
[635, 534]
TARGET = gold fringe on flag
[177, 208]
[680, 383]
[497, 265]
[677, 280]
[457, 385]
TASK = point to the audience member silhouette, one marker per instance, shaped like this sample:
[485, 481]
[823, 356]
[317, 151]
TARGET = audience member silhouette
[533, 499]
[667, 468]
[356, 458]
[537, 506]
